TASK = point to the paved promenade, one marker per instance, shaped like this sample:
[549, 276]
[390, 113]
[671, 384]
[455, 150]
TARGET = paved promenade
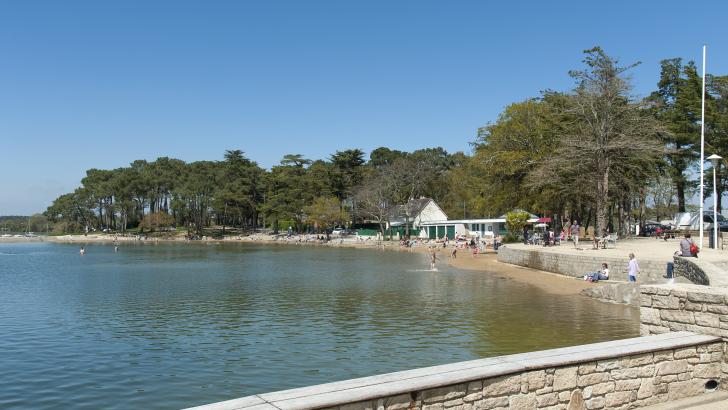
[643, 248]
[653, 255]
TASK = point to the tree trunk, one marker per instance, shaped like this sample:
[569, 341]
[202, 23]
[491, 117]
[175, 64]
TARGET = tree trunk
[602, 199]
[680, 188]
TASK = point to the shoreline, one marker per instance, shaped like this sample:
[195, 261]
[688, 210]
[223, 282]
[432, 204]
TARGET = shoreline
[485, 262]
[547, 281]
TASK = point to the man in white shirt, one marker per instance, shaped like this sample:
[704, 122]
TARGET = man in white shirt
[633, 268]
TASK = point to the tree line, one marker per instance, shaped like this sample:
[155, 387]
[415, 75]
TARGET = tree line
[595, 153]
[237, 193]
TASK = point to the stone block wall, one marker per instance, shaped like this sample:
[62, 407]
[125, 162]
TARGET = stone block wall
[686, 307]
[580, 264]
[623, 383]
[695, 308]
[687, 268]
[623, 293]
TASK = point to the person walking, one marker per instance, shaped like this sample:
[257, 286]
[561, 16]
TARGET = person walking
[575, 232]
[633, 268]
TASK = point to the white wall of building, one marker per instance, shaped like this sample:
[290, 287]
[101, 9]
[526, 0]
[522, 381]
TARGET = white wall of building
[430, 213]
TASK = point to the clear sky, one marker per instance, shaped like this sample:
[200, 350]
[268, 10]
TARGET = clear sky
[99, 84]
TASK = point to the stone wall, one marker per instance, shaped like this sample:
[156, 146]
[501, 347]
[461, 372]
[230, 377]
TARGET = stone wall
[576, 265]
[623, 293]
[701, 272]
[627, 382]
[699, 309]
[687, 268]
[621, 374]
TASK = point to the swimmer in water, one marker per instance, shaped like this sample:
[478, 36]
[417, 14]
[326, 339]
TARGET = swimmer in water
[433, 260]
[82, 251]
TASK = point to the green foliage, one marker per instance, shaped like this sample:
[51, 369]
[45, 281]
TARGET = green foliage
[515, 221]
[677, 104]
[507, 151]
[511, 238]
[157, 221]
[325, 213]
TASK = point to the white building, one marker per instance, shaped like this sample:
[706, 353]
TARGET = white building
[416, 212]
[471, 227]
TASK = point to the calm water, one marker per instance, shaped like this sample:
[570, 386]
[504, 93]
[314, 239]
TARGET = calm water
[169, 326]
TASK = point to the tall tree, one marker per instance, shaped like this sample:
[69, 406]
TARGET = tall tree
[612, 137]
[676, 104]
[347, 171]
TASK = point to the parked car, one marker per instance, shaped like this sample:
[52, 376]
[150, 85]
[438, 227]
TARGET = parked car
[722, 222]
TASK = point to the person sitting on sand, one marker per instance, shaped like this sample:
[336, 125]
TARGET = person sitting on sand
[597, 276]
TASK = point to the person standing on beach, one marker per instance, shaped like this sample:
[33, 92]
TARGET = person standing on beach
[633, 268]
[575, 232]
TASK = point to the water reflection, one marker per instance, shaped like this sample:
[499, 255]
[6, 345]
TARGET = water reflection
[177, 325]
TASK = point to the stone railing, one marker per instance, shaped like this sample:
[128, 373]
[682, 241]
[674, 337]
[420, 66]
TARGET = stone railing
[701, 272]
[618, 374]
[687, 268]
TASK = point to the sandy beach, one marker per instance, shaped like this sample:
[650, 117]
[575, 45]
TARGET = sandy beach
[547, 281]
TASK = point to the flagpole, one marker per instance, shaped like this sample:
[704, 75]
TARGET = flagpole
[702, 151]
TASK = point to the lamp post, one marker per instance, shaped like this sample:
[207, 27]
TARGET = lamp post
[715, 160]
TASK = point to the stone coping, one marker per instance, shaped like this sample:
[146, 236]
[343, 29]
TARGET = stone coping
[405, 382]
[691, 289]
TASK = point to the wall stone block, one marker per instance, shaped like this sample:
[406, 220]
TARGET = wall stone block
[707, 320]
[592, 379]
[672, 367]
[565, 378]
[677, 316]
[501, 386]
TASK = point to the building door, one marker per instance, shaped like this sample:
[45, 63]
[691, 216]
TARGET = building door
[451, 231]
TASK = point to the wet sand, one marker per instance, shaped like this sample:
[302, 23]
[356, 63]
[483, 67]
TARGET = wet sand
[547, 281]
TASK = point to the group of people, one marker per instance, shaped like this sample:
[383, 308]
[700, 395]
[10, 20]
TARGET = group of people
[633, 269]
[408, 242]
[549, 237]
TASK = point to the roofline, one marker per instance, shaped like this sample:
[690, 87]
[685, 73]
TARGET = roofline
[472, 221]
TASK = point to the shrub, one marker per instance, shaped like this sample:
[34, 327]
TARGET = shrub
[156, 221]
[515, 221]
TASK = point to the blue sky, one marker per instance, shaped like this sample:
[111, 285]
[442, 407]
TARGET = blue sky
[99, 84]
